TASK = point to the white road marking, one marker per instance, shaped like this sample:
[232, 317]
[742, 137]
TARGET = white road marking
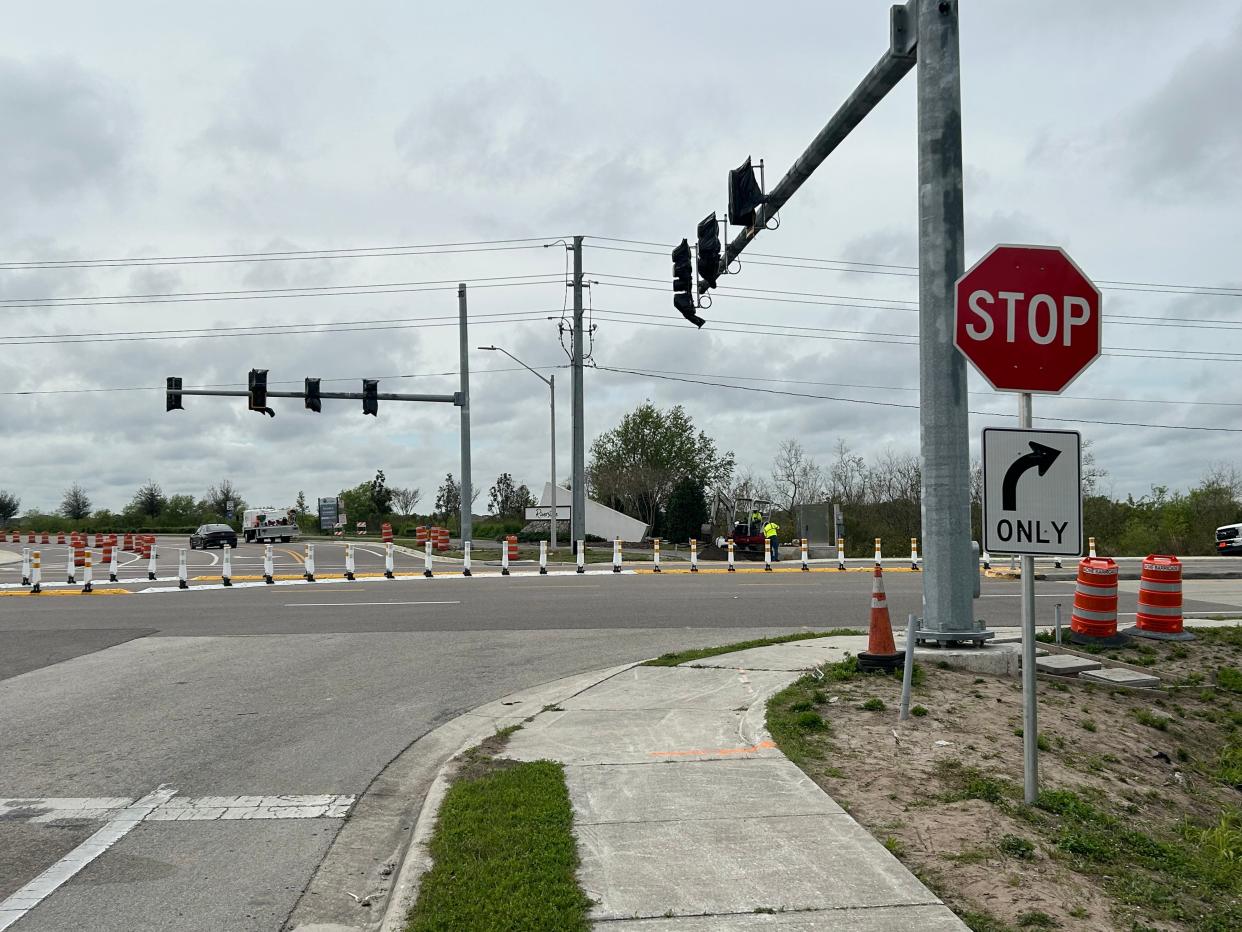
[121, 824]
[44, 810]
[358, 604]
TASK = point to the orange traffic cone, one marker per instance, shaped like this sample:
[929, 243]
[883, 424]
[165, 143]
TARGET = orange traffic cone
[881, 652]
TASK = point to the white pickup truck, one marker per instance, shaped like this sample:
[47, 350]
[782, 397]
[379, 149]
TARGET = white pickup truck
[269, 525]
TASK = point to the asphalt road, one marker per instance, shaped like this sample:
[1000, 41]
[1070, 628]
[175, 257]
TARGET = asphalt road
[312, 689]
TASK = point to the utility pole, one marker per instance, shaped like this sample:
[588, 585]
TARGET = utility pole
[578, 510]
[948, 561]
[464, 344]
[552, 405]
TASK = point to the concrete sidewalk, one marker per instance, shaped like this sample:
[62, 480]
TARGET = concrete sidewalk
[688, 817]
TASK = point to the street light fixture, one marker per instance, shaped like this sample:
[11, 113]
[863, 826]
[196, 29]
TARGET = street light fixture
[549, 381]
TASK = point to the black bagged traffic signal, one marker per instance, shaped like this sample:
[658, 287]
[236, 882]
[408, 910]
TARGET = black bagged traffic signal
[313, 401]
[744, 195]
[709, 252]
[172, 401]
[370, 397]
[258, 392]
[683, 283]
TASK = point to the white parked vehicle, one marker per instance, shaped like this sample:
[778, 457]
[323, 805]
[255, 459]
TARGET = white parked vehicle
[1229, 539]
[270, 525]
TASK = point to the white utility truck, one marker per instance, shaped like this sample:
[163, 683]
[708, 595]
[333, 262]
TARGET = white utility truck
[269, 525]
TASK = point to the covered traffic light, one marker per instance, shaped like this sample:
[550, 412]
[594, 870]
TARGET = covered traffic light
[683, 283]
[313, 401]
[172, 401]
[744, 195]
[370, 397]
[709, 252]
[258, 392]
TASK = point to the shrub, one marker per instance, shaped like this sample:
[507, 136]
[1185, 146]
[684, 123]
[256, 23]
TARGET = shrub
[1015, 846]
[874, 704]
[919, 711]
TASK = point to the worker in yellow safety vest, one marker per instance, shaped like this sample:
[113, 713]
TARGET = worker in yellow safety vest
[770, 530]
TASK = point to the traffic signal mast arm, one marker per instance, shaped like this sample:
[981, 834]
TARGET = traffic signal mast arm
[887, 73]
[175, 392]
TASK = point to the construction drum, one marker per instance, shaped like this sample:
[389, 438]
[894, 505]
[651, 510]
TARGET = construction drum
[1160, 600]
[1094, 617]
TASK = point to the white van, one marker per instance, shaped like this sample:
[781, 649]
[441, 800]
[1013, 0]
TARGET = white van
[1229, 539]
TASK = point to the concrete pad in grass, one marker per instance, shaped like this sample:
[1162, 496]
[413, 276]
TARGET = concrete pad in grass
[674, 688]
[652, 869]
[791, 656]
[715, 789]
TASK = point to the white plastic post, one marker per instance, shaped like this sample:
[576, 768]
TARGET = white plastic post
[879, 558]
[183, 574]
[1091, 547]
[767, 554]
[655, 554]
[694, 555]
[732, 568]
[1058, 564]
[616, 555]
[465, 558]
[153, 563]
[914, 553]
[427, 559]
[310, 563]
[112, 577]
[268, 569]
[806, 567]
[504, 556]
[987, 560]
[543, 558]
[36, 572]
[582, 556]
[71, 576]
[840, 553]
[226, 565]
[88, 574]
[25, 566]
[349, 560]
[388, 561]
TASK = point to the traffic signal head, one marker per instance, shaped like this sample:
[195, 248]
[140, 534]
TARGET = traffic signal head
[709, 252]
[370, 397]
[682, 268]
[313, 401]
[744, 195]
[685, 304]
[172, 402]
[258, 392]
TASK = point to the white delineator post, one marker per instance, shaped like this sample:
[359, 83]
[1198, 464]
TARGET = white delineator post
[183, 573]
[88, 574]
[767, 554]
[987, 560]
[71, 577]
[543, 558]
[153, 563]
[268, 569]
[616, 555]
[427, 559]
[349, 561]
[1091, 547]
[388, 561]
[36, 572]
[732, 568]
[112, 577]
[504, 556]
[655, 554]
[879, 557]
[806, 567]
[25, 566]
[840, 553]
[465, 558]
[582, 556]
[310, 562]
[226, 565]
[694, 555]
[914, 554]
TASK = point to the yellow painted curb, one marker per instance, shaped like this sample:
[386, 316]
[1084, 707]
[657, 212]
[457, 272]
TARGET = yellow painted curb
[39, 595]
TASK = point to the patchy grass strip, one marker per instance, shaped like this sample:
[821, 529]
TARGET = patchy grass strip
[672, 660]
[504, 852]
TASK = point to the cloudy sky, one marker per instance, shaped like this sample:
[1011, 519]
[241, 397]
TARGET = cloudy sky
[143, 129]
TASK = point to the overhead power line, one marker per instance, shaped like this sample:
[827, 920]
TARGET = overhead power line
[895, 404]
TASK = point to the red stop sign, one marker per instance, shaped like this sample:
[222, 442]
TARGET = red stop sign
[1028, 318]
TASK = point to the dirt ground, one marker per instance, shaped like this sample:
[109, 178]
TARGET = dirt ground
[1148, 836]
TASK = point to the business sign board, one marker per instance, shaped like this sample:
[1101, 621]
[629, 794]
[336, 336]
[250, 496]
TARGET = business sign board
[329, 513]
[544, 513]
[1032, 492]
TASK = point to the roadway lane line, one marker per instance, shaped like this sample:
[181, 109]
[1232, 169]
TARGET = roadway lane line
[353, 604]
[125, 821]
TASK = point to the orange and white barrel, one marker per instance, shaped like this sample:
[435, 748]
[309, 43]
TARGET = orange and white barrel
[46, 538]
[386, 532]
[60, 537]
[1095, 599]
[511, 546]
[420, 535]
[1160, 596]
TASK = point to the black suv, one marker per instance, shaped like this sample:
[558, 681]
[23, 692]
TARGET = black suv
[213, 535]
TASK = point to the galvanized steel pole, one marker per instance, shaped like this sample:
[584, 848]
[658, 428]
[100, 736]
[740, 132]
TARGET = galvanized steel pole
[464, 343]
[552, 398]
[1030, 724]
[578, 511]
[944, 427]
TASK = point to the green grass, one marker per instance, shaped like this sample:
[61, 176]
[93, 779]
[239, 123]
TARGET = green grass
[1015, 846]
[504, 854]
[1229, 678]
[1151, 720]
[684, 656]
[964, 782]
[874, 704]
[919, 711]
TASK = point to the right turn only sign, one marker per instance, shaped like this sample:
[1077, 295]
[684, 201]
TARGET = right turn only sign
[1032, 492]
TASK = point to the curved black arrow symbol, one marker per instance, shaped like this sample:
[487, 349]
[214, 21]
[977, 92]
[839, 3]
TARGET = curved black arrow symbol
[1040, 456]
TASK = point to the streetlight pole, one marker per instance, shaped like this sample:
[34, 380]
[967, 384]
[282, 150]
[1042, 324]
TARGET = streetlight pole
[550, 381]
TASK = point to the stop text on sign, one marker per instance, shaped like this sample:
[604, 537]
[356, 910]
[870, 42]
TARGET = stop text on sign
[1042, 316]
